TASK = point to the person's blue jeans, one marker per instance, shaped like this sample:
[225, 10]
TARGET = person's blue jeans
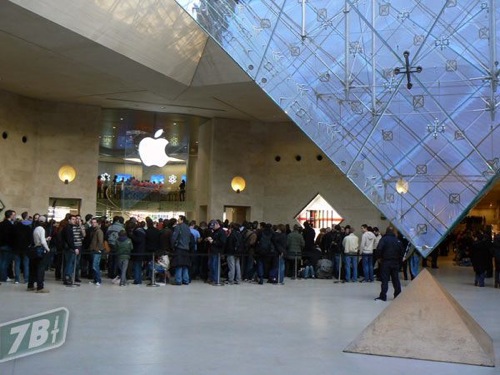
[248, 268]
[336, 264]
[17, 267]
[182, 275]
[5, 261]
[215, 268]
[122, 266]
[69, 266]
[479, 279]
[309, 272]
[260, 269]
[234, 273]
[414, 265]
[137, 271]
[96, 266]
[281, 272]
[367, 260]
[351, 262]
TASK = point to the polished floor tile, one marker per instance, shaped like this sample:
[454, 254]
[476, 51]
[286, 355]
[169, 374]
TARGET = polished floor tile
[299, 328]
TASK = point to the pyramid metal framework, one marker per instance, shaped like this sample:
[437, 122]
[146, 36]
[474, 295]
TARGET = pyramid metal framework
[394, 92]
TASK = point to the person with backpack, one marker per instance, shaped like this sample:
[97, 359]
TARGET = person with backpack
[336, 250]
[182, 241]
[265, 251]
[23, 233]
[279, 242]
[247, 260]
[123, 248]
[217, 241]
[295, 245]
[234, 249]
[111, 238]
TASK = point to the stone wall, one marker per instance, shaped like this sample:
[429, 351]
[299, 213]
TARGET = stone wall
[56, 134]
[275, 191]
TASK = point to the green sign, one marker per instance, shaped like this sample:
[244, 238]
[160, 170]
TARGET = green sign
[33, 334]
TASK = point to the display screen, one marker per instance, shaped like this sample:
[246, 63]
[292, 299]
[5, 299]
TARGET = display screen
[122, 176]
[157, 179]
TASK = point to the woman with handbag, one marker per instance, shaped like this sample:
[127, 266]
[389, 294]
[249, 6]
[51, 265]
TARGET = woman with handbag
[38, 256]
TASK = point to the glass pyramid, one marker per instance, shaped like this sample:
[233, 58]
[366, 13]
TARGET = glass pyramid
[398, 92]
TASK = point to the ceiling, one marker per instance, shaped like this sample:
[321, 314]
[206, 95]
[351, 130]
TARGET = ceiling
[146, 74]
[42, 59]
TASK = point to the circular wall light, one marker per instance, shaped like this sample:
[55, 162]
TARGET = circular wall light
[238, 184]
[67, 174]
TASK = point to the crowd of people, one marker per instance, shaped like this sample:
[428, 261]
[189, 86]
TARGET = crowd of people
[129, 189]
[178, 251]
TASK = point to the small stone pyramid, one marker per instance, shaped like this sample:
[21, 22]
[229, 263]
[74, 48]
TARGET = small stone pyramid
[426, 322]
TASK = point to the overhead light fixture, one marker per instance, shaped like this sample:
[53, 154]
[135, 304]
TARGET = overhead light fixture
[67, 174]
[238, 184]
[402, 186]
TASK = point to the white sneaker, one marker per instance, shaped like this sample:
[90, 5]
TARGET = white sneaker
[8, 280]
[17, 282]
[116, 280]
[97, 284]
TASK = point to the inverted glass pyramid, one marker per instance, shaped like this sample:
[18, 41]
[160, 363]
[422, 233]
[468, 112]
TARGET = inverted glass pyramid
[426, 118]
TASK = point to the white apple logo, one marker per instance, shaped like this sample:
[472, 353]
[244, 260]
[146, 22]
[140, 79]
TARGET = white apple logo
[152, 150]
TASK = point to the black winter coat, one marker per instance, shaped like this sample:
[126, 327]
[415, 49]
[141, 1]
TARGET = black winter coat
[152, 240]
[138, 237]
[219, 244]
[481, 256]
[390, 248]
[24, 238]
[7, 235]
[279, 241]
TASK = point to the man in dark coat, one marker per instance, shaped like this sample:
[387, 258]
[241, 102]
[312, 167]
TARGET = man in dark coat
[181, 241]
[390, 252]
[481, 258]
[7, 243]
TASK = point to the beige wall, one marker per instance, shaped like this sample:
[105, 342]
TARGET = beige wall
[57, 134]
[276, 191]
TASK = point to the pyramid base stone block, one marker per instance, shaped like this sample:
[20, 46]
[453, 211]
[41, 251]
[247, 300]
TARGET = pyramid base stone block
[426, 322]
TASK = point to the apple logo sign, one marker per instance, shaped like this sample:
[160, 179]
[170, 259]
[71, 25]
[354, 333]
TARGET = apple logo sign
[152, 150]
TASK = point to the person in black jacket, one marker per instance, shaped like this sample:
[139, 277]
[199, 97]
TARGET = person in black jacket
[217, 241]
[7, 243]
[23, 231]
[234, 250]
[481, 257]
[495, 252]
[280, 243]
[181, 243]
[390, 252]
[138, 237]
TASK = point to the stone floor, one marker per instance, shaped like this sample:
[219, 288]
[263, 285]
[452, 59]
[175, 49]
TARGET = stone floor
[299, 328]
